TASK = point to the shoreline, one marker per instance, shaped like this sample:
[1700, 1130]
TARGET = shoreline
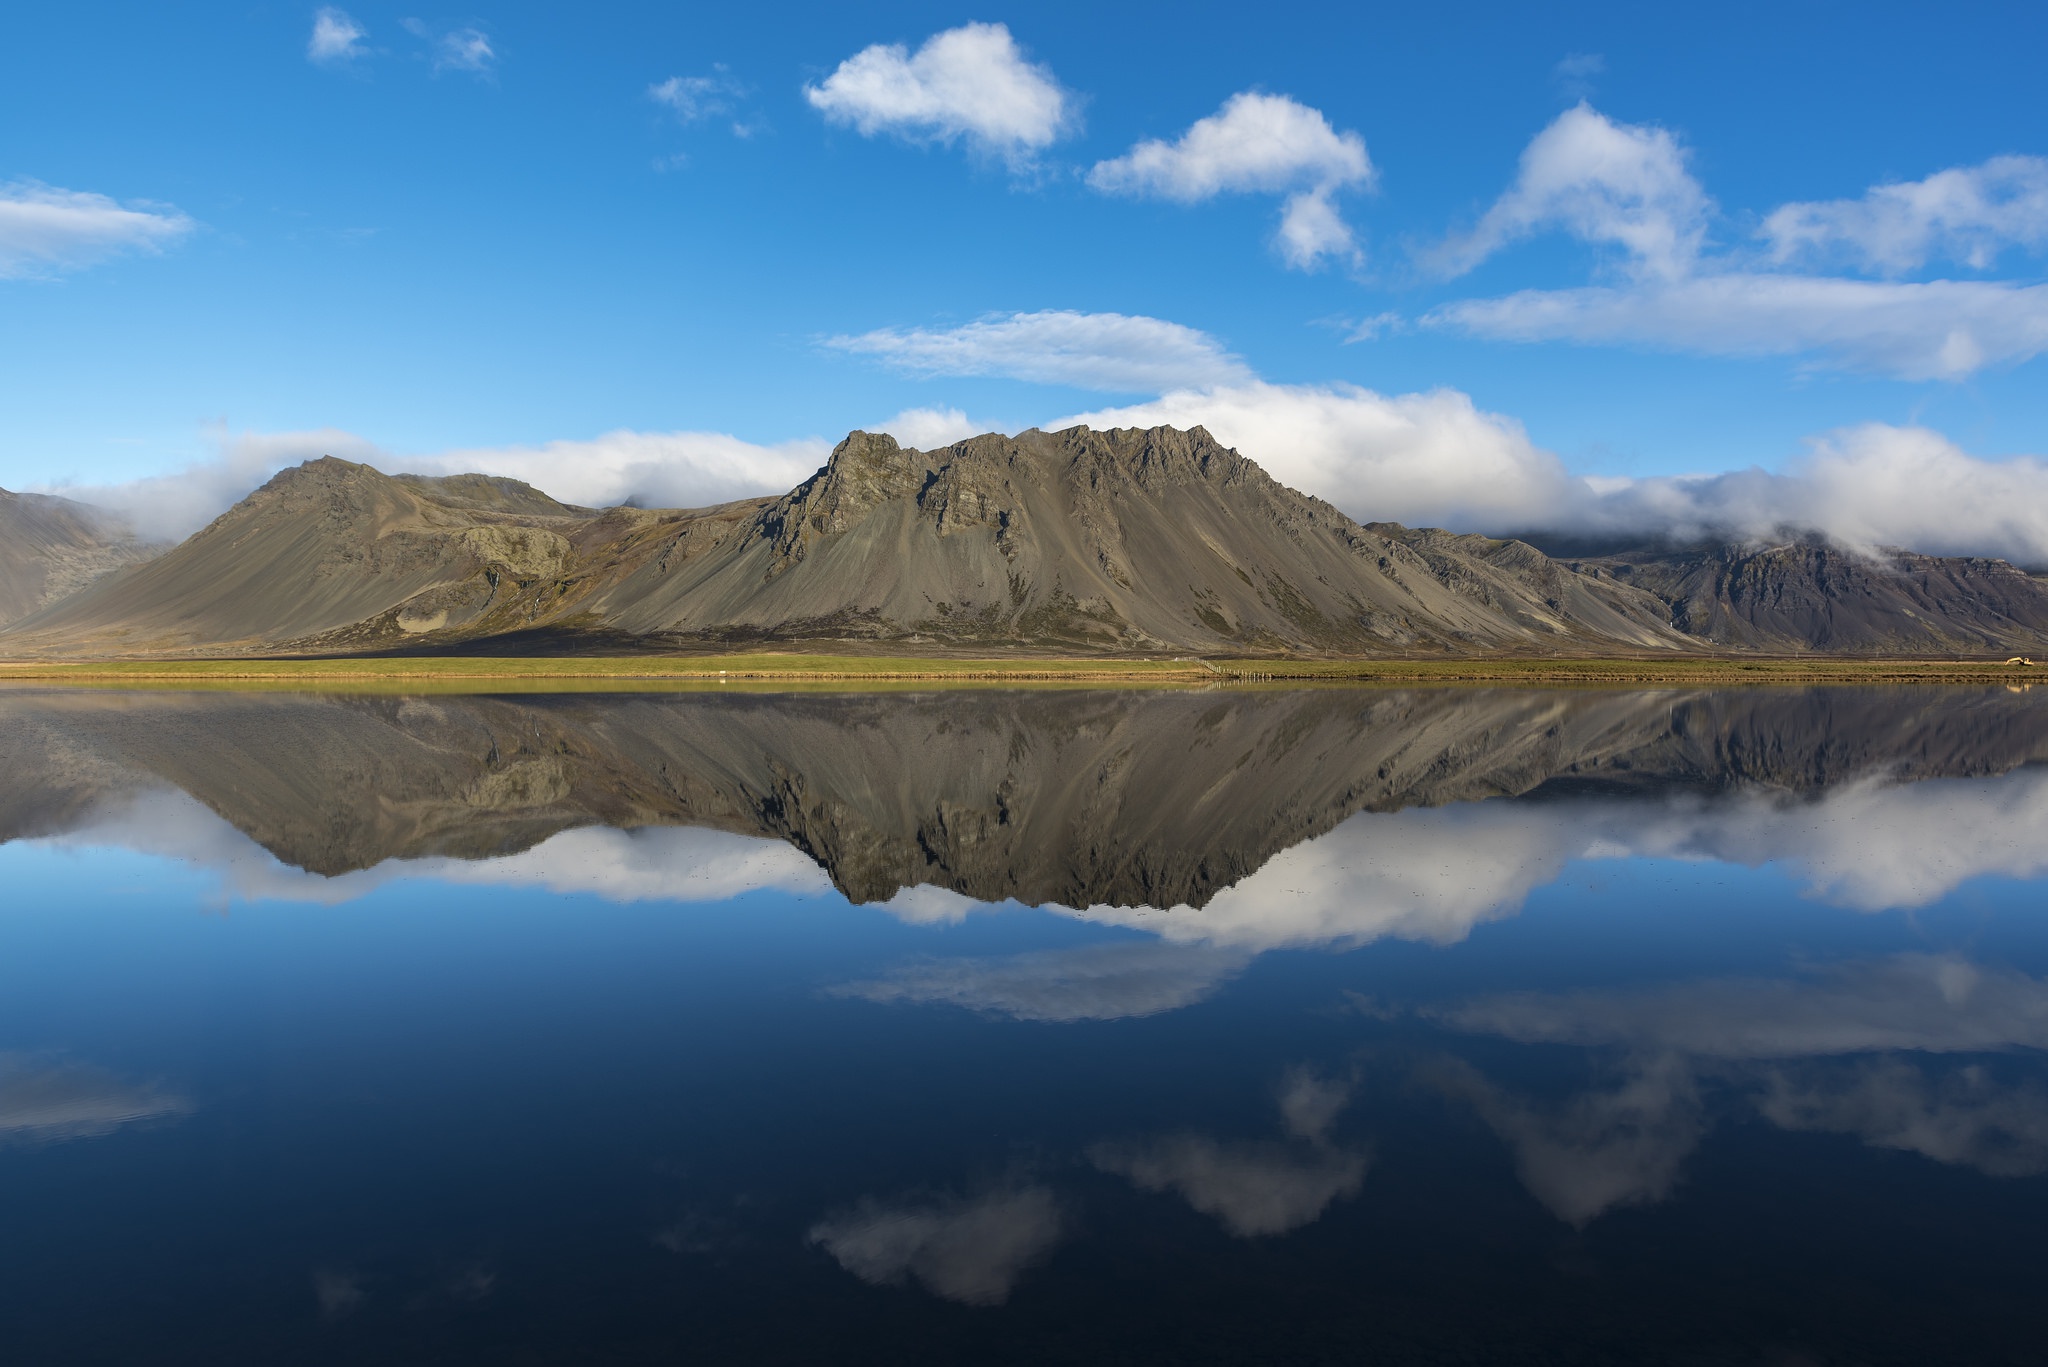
[766, 667]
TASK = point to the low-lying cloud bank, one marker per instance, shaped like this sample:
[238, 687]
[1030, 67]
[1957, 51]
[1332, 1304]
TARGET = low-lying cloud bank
[1428, 459]
[1437, 459]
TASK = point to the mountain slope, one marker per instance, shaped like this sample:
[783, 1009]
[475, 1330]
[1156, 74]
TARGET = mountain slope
[1141, 539]
[1147, 540]
[1809, 595]
[52, 547]
[320, 548]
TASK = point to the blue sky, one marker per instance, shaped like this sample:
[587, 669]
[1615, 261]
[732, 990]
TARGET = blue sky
[693, 243]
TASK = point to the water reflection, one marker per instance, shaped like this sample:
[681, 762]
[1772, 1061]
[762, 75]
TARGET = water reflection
[1233, 1024]
[48, 1100]
[1255, 820]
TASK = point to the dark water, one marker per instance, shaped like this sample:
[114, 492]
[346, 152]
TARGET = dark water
[1441, 1026]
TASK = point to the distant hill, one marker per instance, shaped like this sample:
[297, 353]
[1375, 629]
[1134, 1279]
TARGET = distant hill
[1809, 595]
[1144, 540]
[50, 548]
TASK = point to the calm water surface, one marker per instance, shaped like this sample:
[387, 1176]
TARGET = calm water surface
[1292, 1026]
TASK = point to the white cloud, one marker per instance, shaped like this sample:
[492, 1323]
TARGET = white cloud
[1932, 330]
[1105, 351]
[1262, 144]
[693, 99]
[337, 38]
[970, 84]
[1430, 459]
[457, 49]
[1604, 182]
[1967, 214]
[45, 231]
[927, 429]
[1437, 459]
[652, 469]
[1629, 187]
[971, 1251]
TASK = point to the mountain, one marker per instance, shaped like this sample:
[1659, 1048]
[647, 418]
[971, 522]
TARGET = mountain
[1151, 540]
[1809, 595]
[1118, 796]
[52, 547]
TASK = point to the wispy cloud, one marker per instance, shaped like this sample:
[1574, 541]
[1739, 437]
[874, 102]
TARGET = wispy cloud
[970, 84]
[1103, 351]
[46, 231]
[1967, 215]
[696, 99]
[456, 49]
[337, 39]
[1258, 144]
[1629, 188]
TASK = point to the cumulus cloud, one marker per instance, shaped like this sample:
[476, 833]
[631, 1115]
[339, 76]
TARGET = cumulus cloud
[337, 38]
[1967, 214]
[969, 1250]
[1431, 459]
[45, 231]
[1258, 144]
[1253, 1188]
[1601, 181]
[969, 84]
[1114, 352]
[1629, 188]
[926, 429]
[45, 1101]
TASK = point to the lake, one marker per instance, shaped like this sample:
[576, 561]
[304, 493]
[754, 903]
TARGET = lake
[1243, 1025]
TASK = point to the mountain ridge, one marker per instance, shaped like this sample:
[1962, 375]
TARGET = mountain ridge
[1135, 540]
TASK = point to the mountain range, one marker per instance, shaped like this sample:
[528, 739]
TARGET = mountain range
[1137, 540]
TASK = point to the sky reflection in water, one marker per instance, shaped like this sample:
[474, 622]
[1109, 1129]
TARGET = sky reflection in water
[1674, 1025]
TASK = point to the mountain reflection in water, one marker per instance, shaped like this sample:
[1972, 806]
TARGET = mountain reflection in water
[1260, 1024]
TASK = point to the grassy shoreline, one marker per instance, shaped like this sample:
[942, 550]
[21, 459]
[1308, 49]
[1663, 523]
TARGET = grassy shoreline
[642, 671]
